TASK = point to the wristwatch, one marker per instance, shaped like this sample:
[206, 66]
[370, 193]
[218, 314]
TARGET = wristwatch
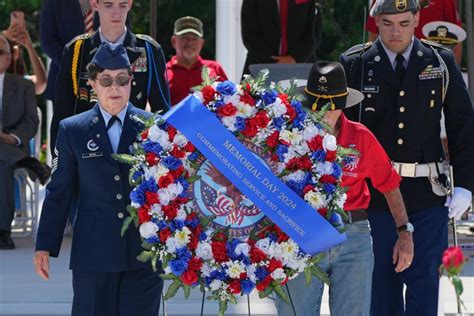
[406, 227]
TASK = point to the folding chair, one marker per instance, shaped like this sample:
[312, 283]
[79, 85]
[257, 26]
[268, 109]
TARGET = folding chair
[27, 193]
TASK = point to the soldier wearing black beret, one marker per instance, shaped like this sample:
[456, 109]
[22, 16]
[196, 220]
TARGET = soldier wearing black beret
[407, 83]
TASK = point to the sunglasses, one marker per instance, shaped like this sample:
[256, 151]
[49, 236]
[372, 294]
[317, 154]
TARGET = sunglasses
[107, 81]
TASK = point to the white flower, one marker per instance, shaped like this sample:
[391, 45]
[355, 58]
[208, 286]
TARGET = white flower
[301, 149]
[341, 200]
[234, 99]
[289, 248]
[171, 245]
[324, 168]
[251, 273]
[310, 131]
[294, 137]
[296, 176]
[159, 136]
[182, 237]
[156, 210]
[181, 214]
[329, 142]
[215, 284]
[148, 229]
[245, 110]
[165, 196]
[275, 251]
[263, 244]
[278, 274]
[235, 269]
[206, 270]
[277, 108]
[204, 250]
[242, 248]
[180, 140]
[316, 199]
[229, 122]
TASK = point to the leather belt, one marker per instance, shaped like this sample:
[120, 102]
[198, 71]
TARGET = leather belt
[416, 170]
[356, 216]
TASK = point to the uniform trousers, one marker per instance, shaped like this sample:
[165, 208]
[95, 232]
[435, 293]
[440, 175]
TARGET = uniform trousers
[422, 277]
[7, 195]
[126, 293]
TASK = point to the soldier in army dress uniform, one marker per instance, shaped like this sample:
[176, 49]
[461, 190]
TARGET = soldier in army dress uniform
[407, 84]
[74, 95]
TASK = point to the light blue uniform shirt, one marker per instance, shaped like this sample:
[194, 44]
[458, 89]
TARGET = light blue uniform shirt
[115, 130]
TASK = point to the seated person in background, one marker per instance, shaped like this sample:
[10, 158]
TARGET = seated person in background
[184, 68]
[18, 124]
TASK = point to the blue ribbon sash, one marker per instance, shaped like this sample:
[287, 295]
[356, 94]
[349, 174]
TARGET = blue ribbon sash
[291, 213]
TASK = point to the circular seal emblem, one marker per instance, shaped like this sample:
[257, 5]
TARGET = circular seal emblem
[214, 195]
[92, 146]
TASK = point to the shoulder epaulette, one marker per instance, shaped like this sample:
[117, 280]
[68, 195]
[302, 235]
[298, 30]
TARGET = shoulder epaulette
[78, 37]
[433, 44]
[149, 39]
[357, 49]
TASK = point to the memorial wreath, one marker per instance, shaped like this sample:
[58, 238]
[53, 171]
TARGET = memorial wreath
[201, 228]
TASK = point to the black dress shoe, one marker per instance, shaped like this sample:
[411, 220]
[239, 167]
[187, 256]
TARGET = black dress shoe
[6, 241]
[40, 170]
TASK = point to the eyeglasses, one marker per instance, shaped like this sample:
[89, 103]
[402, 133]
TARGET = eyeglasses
[4, 52]
[121, 80]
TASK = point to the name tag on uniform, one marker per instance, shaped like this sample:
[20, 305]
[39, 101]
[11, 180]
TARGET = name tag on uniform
[370, 89]
[92, 155]
[431, 72]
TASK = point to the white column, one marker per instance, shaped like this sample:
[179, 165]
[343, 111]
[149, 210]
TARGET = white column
[230, 51]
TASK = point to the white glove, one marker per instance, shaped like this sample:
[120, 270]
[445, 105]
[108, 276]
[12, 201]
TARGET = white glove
[459, 202]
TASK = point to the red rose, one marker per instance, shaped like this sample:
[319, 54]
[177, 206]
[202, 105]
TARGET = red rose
[282, 237]
[181, 200]
[144, 134]
[164, 234]
[178, 172]
[453, 259]
[195, 264]
[264, 284]
[189, 277]
[272, 140]
[257, 255]
[171, 132]
[165, 180]
[189, 147]
[328, 179]
[191, 216]
[219, 251]
[331, 155]
[274, 264]
[170, 210]
[243, 276]
[227, 110]
[307, 188]
[151, 159]
[316, 143]
[208, 93]
[246, 98]
[143, 215]
[234, 287]
[304, 163]
[262, 119]
[290, 111]
[250, 128]
[152, 198]
[177, 152]
[193, 242]
[323, 211]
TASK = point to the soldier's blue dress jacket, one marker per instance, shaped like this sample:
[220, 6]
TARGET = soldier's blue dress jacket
[73, 95]
[86, 170]
[406, 120]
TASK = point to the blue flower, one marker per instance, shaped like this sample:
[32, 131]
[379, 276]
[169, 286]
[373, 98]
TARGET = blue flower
[137, 174]
[178, 266]
[337, 171]
[193, 156]
[149, 185]
[226, 88]
[319, 155]
[278, 122]
[171, 162]
[329, 188]
[176, 225]
[261, 273]
[247, 286]
[162, 224]
[152, 239]
[219, 103]
[231, 248]
[273, 237]
[296, 186]
[336, 219]
[137, 195]
[239, 123]
[183, 254]
[202, 236]
[280, 151]
[192, 223]
[149, 146]
[269, 97]
[184, 183]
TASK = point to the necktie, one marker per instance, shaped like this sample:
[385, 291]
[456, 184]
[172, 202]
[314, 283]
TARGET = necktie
[399, 68]
[112, 120]
[284, 27]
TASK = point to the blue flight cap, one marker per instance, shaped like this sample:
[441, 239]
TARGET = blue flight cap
[108, 58]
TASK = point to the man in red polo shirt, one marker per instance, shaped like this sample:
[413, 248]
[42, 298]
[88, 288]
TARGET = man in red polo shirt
[184, 69]
[350, 264]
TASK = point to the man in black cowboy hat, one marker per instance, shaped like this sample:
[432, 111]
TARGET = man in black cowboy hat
[350, 264]
[407, 84]
[107, 277]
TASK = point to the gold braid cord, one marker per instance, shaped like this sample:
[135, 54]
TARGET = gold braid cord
[325, 96]
[75, 63]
